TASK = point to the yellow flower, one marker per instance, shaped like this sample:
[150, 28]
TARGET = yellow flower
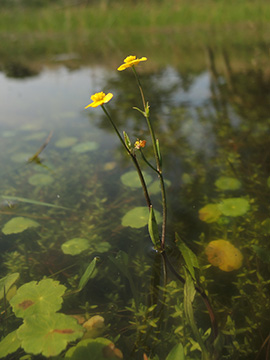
[130, 61]
[99, 99]
[139, 144]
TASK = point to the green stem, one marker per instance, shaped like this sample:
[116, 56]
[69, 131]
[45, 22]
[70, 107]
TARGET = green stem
[133, 157]
[159, 170]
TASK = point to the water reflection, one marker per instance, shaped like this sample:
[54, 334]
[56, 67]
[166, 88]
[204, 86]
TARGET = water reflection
[211, 125]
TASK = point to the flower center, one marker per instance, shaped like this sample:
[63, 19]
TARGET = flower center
[98, 96]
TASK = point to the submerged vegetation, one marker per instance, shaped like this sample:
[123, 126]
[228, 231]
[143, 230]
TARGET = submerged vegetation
[200, 291]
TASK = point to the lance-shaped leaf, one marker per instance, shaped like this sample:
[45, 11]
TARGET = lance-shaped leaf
[6, 283]
[127, 141]
[188, 255]
[48, 334]
[177, 353]
[18, 225]
[153, 228]
[88, 274]
[43, 297]
[9, 344]
[159, 154]
[94, 349]
[29, 201]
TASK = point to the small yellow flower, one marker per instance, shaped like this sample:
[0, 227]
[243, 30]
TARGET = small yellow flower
[130, 61]
[99, 99]
[140, 144]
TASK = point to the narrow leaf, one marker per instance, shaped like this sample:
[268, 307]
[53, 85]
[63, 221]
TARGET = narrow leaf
[88, 273]
[127, 140]
[159, 153]
[34, 202]
[153, 228]
[188, 255]
[177, 353]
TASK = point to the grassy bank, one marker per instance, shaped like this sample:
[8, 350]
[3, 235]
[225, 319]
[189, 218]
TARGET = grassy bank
[171, 32]
[144, 14]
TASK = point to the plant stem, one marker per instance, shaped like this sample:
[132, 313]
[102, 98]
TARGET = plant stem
[158, 163]
[133, 157]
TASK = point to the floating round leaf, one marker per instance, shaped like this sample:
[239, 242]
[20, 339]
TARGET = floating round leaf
[223, 254]
[75, 246]
[18, 225]
[138, 217]
[102, 246]
[48, 334]
[9, 344]
[21, 157]
[85, 147]
[154, 188]
[94, 349]
[209, 213]
[40, 179]
[42, 297]
[132, 179]
[6, 283]
[66, 142]
[227, 183]
[234, 206]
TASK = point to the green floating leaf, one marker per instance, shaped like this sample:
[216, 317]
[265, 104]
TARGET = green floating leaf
[154, 188]
[36, 136]
[18, 225]
[9, 344]
[138, 217]
[210, 213]
[40, 180]
[102, 247]
[6, 283]
[94, 349]
[177, 353]
[131, 179]
[88, 274]
[188, 255]
[234, 206]
[66, 142]
[227, 183]
[48, 334]
[153, 229]
[32, 298]
[75, 246]
[21, 157]
[85, 147]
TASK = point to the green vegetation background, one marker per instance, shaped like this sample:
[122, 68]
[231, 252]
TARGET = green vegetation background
[171, 32]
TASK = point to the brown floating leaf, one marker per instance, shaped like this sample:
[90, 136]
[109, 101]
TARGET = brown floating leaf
[223, 254]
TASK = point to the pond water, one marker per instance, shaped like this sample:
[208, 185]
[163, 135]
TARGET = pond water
[213, 128]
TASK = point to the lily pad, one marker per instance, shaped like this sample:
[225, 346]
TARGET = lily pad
[94, 349]
[43, 297]
[234, 206]
[223, 254]
[66, 142]
[9, 344]
[40, 179]
[154, 188]
[21, 157]
[102, 247]
[138, 217]
[18, 225]
[227, 183]
[36, 136]
[75, 246]
[6, 283]
[85, 147]
[209, 213]
[48, 334]
[131, 179]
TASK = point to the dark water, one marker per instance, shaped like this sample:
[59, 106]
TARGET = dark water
[212, 126]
